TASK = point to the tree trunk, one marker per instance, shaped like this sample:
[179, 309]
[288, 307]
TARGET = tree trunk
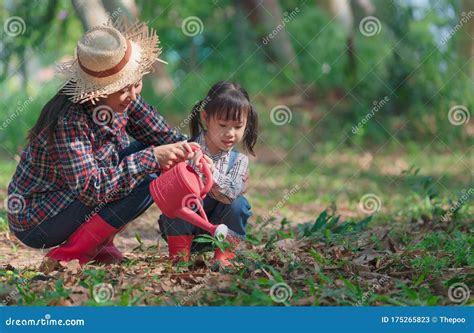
[117, 8]
[23, 70]
[91, 13]
[363, 7]
[342, 12]
[266, 16]
[466, 33]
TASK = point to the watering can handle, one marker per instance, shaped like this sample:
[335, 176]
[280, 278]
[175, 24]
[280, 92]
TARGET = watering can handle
[207, 173]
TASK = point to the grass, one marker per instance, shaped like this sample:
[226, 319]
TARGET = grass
[341, 178]
[322, 265]
[311, 242]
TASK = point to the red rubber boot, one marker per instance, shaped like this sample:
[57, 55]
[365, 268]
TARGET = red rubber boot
[179, 247]
[109, 254]
[223, 258]
[84, 243]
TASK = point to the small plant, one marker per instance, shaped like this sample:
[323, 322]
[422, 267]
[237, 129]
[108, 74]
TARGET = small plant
[222, 244]
[141, 246]
[326, 225]
[425, 203]
[3, 223]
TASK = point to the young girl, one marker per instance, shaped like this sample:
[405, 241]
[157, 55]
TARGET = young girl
[219, 122]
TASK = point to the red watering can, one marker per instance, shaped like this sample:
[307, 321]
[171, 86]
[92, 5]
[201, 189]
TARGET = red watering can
[179, 191]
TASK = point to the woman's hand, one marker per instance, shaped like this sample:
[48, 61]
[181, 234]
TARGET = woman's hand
[172, 154]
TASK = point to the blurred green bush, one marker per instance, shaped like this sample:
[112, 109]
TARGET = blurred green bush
[406, 63]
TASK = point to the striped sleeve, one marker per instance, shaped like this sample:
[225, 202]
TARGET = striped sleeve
[227, 187]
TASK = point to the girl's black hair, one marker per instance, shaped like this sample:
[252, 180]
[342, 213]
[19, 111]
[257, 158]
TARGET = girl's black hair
[48, 118]
[227, 101]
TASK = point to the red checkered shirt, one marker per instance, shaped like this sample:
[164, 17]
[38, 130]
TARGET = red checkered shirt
[84, 162]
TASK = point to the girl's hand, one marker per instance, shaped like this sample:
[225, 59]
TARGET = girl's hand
[210, 163]
[246, 182]
[197, 160]
[174, 153]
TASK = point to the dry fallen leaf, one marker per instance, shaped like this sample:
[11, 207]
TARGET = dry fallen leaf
[49, 265]
[290, 244]
[79, 295]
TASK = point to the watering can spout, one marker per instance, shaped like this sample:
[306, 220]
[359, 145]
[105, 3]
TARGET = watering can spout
[200, 220]
[179, 190]
[187, 214]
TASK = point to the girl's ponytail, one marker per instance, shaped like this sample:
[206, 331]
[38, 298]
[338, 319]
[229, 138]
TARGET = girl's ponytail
[195, 124]
[251, 131]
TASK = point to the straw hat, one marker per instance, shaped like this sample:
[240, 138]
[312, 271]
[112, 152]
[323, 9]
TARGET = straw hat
[108, 58]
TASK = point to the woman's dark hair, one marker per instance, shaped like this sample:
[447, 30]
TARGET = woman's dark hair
[227, 101]
[48, 119]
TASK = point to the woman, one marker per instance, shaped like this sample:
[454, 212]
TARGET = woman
[79, 180]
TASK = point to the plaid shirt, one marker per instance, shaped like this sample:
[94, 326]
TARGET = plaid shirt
[84, 162]
[227, 185]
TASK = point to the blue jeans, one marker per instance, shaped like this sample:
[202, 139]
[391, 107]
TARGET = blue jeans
[233, 215]
[60, 227]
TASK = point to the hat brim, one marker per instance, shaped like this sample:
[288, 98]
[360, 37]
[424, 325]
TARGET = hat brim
[82, 87]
